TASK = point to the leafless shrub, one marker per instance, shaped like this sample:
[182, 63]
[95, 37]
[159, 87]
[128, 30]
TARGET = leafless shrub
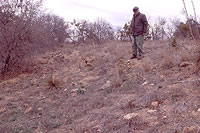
[51, 28]
[24, 29]
[173, 42]
[15, 32]
[124, 34]
[84, 31]
[158, 29]
[189, 29]
[102, 31]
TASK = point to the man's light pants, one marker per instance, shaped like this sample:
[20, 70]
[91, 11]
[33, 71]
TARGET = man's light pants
[137, 44]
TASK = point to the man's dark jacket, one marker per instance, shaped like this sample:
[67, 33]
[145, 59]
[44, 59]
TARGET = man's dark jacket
[139, 24]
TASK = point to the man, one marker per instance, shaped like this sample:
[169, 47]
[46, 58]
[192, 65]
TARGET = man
[139, 26]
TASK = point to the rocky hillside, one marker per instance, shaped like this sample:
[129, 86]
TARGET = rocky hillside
[97, 89]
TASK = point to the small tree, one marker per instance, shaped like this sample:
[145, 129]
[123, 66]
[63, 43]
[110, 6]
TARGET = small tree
[16, 19]
[83, 31]
[125, 33]
[54, 26]
[101, 31]
[157, 28]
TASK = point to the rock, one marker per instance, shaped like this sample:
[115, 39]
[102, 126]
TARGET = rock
[2, 110]
[185, 64]
[43, 61]
[145, 83]
[164, 117]
[152, 84]
[26, 105]
[162, 77]
[98, 130]
[81, 91]
[190, 129]
[77, 91]
[28, 110]
[39, 109]
[198, 110]
[38, 130]
[73, 84]
[106, 85]
[155, 104]
[74, 90]
[130, 116]
[151, 111]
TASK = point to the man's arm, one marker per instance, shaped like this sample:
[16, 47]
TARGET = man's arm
[132, 25]
[145, 24]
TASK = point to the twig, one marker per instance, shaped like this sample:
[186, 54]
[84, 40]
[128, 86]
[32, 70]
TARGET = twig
[187, 81]
[187, 16]
[195, 15]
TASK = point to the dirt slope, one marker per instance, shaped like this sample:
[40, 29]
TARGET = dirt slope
[101, 91]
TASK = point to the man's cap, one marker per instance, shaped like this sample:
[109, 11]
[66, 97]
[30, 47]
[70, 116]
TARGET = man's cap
[135, 9]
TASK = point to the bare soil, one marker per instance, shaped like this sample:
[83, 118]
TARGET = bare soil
[97, 86]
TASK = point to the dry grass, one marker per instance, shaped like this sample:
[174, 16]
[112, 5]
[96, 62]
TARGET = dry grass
[117, 77]
[107, 105]
[197, 65]
[168, 59]
[147, 64]
[54, 82]
[185, 56]
[178, 52]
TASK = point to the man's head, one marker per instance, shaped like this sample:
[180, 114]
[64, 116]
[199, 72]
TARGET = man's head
[136, 10]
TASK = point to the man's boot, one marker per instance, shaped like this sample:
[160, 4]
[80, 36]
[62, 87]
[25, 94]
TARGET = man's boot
[133, 57]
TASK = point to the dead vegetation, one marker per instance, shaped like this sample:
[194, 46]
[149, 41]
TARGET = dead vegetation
[54, 82]
[148, 65]
[95, 87]
[26, 29]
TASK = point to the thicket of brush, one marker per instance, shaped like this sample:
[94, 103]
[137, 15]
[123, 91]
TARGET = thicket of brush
[27, 29]
[194, 29]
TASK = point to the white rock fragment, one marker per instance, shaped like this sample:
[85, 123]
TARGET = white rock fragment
[155, 104]
[151, 111]
[130, 116]
[164, 117]
[145, 83]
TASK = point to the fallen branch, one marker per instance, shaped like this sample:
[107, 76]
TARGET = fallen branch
[187, 81]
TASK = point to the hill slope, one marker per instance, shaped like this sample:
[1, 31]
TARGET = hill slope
[101, 90]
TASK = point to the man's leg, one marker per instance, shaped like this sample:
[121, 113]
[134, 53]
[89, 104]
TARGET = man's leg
[140, 43]
[134, 46]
